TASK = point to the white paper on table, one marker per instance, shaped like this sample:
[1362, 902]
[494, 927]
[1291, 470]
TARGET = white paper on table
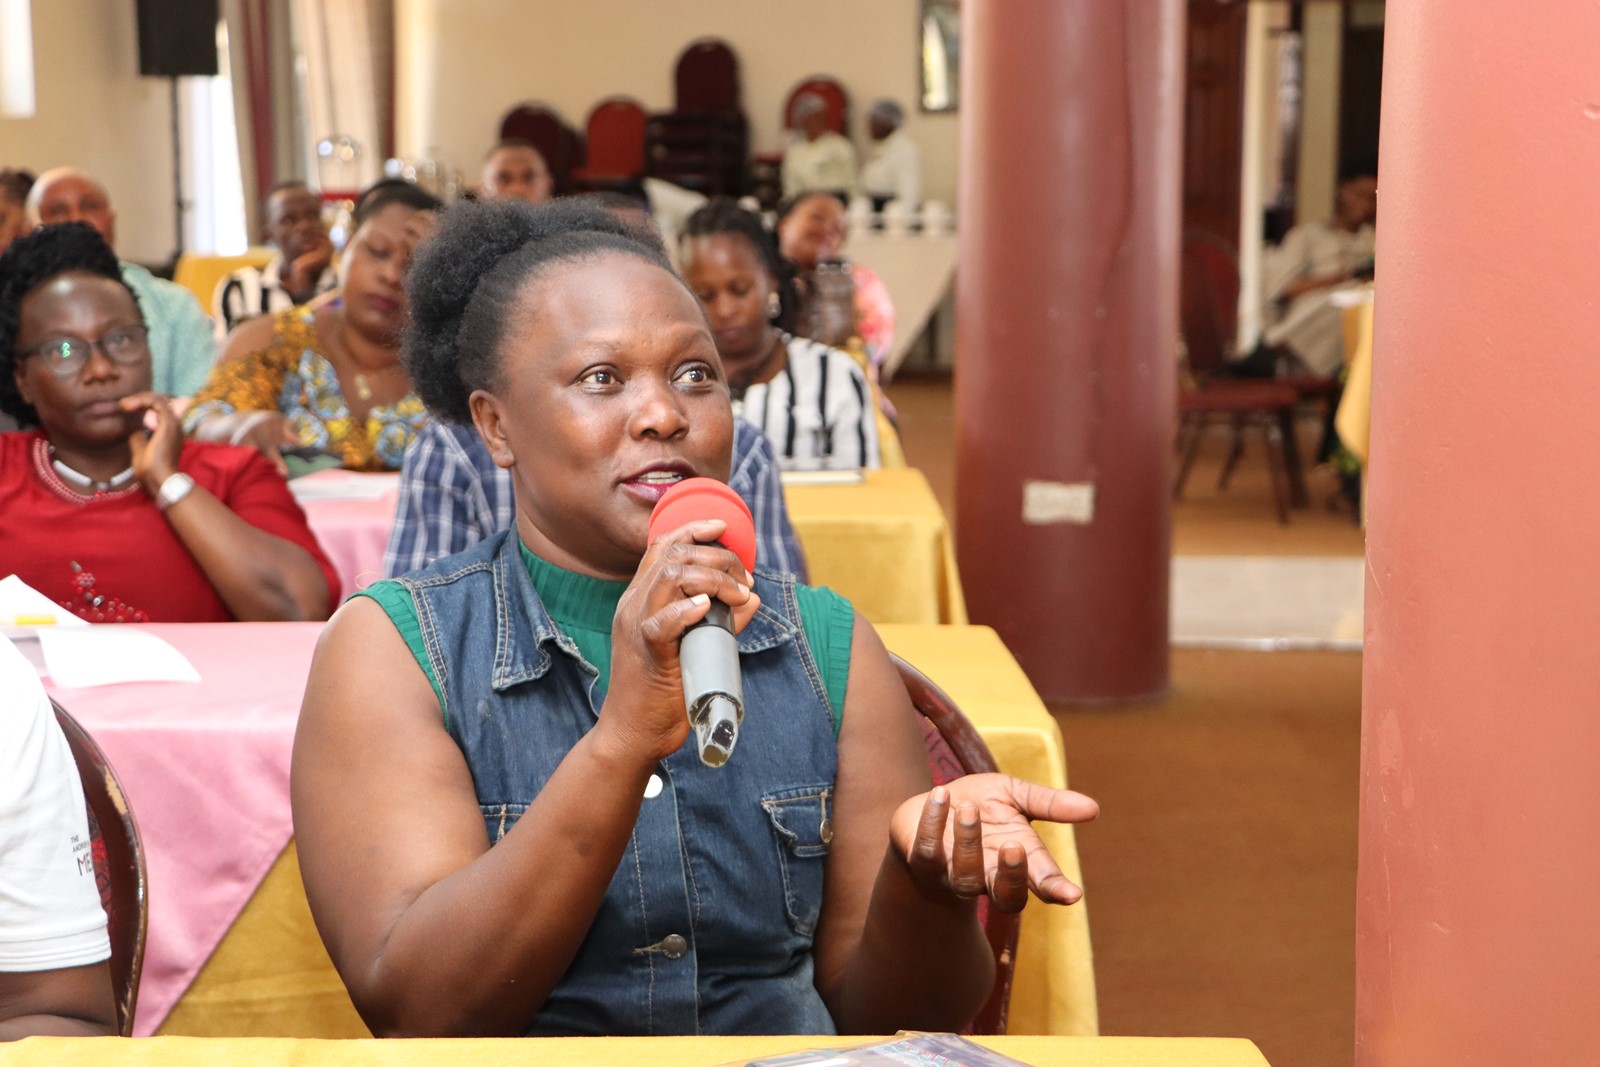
[1351, 296]
[18, 599]
[109, 655]
[344, 485]
[846, 476]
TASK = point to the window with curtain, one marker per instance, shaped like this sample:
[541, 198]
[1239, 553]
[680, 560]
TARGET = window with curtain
[212, 180]
[345, 50]
[16, 59]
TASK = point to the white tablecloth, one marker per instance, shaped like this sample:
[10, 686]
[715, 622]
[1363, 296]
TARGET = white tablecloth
[917, 271]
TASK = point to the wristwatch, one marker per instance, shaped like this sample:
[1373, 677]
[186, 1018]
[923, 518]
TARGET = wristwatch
[174, 488]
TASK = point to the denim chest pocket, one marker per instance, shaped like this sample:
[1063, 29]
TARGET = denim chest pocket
[802, 827]
[498, 819]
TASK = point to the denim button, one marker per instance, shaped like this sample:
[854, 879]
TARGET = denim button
[652, 788]
[673, 946]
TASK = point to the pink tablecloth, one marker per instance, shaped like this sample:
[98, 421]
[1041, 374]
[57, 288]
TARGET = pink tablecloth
[352, 530]
[206, 771]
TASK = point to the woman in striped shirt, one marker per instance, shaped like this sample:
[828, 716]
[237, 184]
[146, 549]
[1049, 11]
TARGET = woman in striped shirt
[810, 400]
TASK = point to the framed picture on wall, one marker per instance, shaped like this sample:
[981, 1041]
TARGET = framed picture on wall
[939, 33]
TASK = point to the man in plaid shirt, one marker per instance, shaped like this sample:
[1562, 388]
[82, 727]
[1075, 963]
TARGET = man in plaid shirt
[452, 496]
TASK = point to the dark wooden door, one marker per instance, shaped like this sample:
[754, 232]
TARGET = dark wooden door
[1359, 90]
[1213, 128]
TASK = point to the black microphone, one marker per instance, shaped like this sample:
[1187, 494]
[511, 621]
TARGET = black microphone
[708, 656]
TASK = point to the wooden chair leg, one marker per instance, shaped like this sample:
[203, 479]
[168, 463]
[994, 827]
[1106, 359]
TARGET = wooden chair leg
[1190, 430]
[1298, 495]
[1272, 431]
[1234, 452]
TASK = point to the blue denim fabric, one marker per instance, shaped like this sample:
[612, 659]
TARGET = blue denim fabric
[707, 925]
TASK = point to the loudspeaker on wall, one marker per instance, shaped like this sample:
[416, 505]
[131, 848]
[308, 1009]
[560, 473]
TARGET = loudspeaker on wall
[177, 37]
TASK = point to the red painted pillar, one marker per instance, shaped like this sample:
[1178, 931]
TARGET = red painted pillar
[1478, 908]
[1071, 123]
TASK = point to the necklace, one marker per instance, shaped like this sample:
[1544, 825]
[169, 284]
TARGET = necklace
[360, 379]
[116, 481]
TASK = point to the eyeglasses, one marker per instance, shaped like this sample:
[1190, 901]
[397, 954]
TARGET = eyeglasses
[67, 356]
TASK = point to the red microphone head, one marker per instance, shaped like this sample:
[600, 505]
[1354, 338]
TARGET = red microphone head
[694, 499]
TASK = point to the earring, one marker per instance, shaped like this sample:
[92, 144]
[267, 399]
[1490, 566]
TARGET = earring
[774, 306]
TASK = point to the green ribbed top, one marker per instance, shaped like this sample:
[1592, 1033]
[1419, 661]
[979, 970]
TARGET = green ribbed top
[583, 608]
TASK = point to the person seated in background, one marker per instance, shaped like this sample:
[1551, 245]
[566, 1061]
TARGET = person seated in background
[104, 508]
[558, 860]
[55, 979]
[182, 341]
[1315, 260]
[326, 385]
[893, 170]
[14, 186]
[301, 266]
[813, 402]
[813, 228]
[822, 160]
[515, 170]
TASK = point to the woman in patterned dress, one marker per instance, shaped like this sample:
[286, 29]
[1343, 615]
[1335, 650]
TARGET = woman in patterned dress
[328, 381]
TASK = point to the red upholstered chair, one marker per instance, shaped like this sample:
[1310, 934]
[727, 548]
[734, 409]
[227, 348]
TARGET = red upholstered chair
[1214, 260]
[541, 127]
[955, 749]
[118, 865]
[1262, 404]
[706, 77]
[832, 93]
[615, 145]
[1209, 299]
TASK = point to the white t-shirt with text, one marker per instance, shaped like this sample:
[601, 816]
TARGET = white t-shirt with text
[50, 913]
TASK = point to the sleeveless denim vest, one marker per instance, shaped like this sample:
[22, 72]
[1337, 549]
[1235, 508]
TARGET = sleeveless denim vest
[707, 924]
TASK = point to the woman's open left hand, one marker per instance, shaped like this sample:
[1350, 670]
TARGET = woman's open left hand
[154, 449]
[972, 837]
[680, 575]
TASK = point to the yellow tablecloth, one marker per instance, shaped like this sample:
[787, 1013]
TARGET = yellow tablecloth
[590, 1051]
[885, 544]
[1353, 420]
[271, 977]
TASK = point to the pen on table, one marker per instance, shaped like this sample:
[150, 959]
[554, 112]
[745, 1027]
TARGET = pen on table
[28, 620]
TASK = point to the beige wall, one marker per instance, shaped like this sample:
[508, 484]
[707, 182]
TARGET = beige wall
[96, 112]
[1319, 117]
[461, 64]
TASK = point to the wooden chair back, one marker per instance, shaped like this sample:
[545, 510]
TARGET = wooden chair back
[832, 94]
[119, 867]
[706, 77]
[615, 139]
[955, 749]
[557, 142]
[1209, 306]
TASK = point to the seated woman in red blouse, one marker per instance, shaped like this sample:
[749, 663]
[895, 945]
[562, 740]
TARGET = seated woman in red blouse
[104, 507]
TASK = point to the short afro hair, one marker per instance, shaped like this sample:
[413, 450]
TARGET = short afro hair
[465, 278]
[29, 262]
[725, 216]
